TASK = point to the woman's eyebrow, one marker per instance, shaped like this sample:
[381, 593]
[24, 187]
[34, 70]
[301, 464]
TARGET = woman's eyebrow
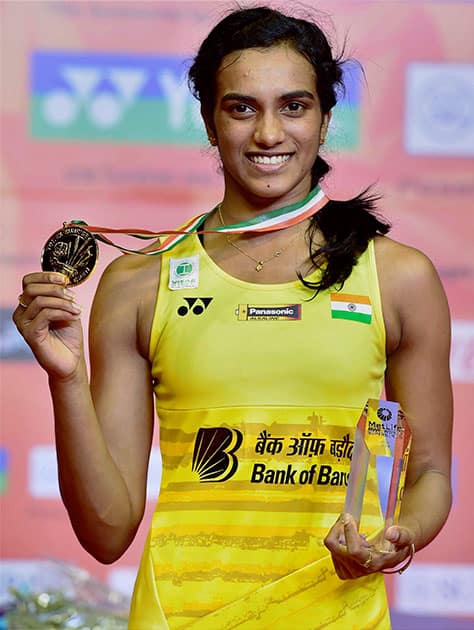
[236, 96]
[298, 94]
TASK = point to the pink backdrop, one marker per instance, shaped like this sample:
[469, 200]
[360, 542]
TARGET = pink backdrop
[412, 133]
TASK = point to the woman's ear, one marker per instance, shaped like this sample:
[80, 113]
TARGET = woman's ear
[211, 136]
[212, 139]
[324, 127]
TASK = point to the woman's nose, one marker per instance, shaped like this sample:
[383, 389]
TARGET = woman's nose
[269, 130]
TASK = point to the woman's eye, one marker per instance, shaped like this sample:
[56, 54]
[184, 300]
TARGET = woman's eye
[294, 107]
[241, 108]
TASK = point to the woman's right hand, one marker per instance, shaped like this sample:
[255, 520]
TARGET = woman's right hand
[49, 320]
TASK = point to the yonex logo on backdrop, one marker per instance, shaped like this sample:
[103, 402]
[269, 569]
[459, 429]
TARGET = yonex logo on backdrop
[112, 97]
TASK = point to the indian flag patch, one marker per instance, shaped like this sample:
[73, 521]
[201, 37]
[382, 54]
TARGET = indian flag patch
[355, 307]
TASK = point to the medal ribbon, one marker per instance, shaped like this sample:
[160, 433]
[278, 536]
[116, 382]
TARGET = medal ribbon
[266, 222]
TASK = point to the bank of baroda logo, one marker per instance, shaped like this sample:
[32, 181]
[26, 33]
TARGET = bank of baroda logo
[214, 453]
[107, 97]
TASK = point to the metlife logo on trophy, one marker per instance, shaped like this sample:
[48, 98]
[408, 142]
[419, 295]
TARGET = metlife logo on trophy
[107, 97]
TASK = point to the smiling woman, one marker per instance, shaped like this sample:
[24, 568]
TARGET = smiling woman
[268, 125]
[237, 331]
[267, 84]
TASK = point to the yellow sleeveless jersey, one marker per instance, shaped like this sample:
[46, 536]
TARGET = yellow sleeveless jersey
[258, 389]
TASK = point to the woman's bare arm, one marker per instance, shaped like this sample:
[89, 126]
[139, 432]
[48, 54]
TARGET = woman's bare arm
[417, 324]
[103, 431]
[418, 378]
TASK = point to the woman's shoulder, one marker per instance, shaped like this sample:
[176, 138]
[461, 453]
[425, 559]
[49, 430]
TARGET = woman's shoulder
[130, 273]
[132, 281]
[126, 295]
[403, 263]
[410, 288]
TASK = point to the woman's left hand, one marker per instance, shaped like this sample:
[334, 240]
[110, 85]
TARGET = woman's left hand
[353, 556]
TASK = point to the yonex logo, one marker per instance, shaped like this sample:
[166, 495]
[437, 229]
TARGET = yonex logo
[197, 306]
[113, 97]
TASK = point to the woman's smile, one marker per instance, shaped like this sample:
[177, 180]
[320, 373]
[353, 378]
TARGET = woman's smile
[269, 162]
[268, 124]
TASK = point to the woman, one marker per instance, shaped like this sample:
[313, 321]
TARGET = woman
[249, 362]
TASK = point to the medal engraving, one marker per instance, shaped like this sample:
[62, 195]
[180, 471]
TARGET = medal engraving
[72, 251]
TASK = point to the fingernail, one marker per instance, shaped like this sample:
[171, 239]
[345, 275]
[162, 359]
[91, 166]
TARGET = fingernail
[76, 307]
[58, 278]
[69, 294]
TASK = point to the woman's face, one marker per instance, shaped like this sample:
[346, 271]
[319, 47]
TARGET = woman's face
[268, 124]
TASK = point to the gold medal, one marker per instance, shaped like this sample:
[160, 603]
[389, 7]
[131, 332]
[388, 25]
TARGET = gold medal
[72, 251]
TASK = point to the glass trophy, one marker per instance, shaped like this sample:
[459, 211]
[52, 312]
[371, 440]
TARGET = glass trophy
[381, 447]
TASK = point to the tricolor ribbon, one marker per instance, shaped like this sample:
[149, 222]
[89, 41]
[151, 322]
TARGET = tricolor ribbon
[278, 219]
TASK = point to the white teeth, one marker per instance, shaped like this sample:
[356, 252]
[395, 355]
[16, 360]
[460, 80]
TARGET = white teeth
[265, 159]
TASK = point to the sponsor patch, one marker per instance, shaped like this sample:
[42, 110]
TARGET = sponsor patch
[275, 312]
[216, 457]
[184, 273]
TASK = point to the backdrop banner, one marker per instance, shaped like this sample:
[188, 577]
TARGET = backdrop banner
[98, 124]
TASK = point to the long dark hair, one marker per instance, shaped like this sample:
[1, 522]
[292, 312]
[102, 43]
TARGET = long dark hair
[347, 226]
